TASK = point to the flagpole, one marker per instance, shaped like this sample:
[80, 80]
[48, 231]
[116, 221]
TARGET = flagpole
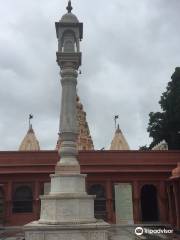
[115, 117]
[29, 121]
[30, 117]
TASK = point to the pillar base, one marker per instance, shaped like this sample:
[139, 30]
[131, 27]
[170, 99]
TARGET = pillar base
[91, 231]
[67, 212]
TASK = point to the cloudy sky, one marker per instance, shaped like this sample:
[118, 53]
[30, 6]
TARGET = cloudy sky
[130, 50]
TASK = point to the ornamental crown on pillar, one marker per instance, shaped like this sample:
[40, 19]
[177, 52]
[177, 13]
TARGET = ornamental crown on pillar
[69, 32]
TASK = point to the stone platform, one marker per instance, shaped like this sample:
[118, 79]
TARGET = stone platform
[67, 212]
[67, 201]
[91, 231]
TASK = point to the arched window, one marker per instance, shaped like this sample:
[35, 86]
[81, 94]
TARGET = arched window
[100, 200]
[69, 42]
[23, 200]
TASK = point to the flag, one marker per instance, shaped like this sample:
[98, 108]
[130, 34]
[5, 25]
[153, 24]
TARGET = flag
[116, 116]
[30, 116]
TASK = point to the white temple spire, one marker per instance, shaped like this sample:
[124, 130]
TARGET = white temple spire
[119, 142]
[29, 142]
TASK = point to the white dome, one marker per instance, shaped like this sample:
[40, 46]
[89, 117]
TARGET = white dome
[69, 18]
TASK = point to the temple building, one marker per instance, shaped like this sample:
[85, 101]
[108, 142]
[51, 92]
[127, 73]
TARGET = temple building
[130, 186]
[30, 142]
[119, 142]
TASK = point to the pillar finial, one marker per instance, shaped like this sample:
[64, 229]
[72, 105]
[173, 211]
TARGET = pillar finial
[69, 7]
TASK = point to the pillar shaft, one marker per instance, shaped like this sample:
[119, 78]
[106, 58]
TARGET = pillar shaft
[68, 122]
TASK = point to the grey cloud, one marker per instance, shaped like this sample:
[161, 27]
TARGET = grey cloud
[130, 49]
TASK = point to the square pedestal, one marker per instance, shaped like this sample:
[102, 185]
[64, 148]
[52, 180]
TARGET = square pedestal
[67, 208]
[67, 213]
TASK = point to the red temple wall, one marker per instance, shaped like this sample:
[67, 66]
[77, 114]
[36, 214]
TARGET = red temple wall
[102, 167]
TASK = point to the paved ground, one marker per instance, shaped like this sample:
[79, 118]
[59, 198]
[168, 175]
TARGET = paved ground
[11, 234]
[116, 233]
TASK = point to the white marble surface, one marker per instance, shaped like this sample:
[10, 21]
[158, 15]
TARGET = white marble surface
[68, 183]
[68, 201]
[67, 208]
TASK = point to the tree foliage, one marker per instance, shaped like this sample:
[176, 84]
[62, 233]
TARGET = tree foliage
[166, 124]
[144, 148]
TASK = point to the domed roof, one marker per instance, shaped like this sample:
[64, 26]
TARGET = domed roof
[119, 142]
[30, 142]
[69, 18]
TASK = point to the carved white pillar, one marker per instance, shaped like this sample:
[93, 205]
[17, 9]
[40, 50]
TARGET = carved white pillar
[69, 32]
[67, 212]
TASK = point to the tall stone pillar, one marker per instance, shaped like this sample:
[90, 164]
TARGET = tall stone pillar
[67, 212]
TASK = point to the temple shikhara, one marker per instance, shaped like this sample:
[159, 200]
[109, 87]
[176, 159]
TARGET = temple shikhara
[130, 186]
[30, 142]
[119, 142]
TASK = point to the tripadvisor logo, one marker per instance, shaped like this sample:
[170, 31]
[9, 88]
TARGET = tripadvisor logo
[139, 231]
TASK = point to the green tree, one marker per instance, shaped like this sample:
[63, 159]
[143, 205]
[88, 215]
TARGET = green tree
[166, 124]
[143, 148]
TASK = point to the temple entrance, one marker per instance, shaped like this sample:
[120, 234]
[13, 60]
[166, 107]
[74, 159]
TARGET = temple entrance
[23, 200]
[149, 204]
[99, 201]
[1, 206]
